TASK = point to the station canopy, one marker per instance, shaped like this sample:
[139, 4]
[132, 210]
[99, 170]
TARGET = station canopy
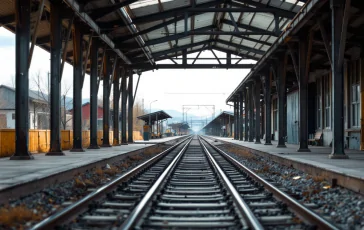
[180, 125]
[219, 120]
[143, 32]
[155, 116]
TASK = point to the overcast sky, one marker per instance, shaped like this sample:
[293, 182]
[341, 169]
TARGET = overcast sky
[172, 88]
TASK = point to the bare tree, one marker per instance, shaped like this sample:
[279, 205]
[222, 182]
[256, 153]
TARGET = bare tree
[66, 117]
[41, 106]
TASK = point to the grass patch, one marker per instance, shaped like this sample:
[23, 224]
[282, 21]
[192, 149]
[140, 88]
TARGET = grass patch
[19, 214]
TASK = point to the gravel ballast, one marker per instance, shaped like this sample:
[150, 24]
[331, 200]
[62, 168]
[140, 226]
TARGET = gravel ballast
[26, 211]
[343, 207]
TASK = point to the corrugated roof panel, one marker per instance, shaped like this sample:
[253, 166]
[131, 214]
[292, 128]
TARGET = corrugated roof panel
[198, 38]
[144, 7]
[167, 5]
[149, 24]
[226, 27]
[248, 43]
[246, 18]
[157, 34]
[262, 21]
[264, 47]
[203, 20]
[225, 37]
[160, 47]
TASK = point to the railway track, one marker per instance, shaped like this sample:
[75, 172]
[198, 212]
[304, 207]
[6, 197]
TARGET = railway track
[189, 186]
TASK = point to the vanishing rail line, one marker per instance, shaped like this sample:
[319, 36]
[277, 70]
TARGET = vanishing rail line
[191, 185]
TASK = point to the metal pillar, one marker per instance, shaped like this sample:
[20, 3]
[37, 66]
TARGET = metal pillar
[337, 15]
[246, 111]
[130, 107]
[55, 97]
[93, 94]
[116, 98]
[281, 75]
[77, 89]
[106, 102]
[241, 117]
[257, 111]
[251, 114]
[268, 106]
[303, 96]
[235, 119]
[22, 9]
[123, 108]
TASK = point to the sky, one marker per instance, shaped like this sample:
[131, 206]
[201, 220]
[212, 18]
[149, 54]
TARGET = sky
[171, 88]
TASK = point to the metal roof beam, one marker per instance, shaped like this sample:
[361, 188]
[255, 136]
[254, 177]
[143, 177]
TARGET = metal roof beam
[175, 36]
[88, 20]
[102, 11]
[281, 12]
[191, 66]
[174, 12]
[179, 48]
[248, 56]
[238, 46]
[251, 28]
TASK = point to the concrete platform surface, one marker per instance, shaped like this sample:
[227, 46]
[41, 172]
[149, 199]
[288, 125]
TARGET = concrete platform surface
[15, 172]
[318, 157]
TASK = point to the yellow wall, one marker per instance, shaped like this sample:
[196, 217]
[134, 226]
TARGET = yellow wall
[39, 140]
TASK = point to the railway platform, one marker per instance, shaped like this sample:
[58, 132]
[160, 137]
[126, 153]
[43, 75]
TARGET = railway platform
[348, 173]
[51, 169]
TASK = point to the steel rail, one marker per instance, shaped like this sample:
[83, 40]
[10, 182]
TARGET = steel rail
[306, 214]
[82, 204]
[242, 206]
[140, 209]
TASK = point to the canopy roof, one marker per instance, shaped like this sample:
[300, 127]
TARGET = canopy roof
[216, 120]
[155, 116]
[181, 125]
[142, 32]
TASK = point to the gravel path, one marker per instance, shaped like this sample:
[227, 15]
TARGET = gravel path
[25, 212]
[343, 207]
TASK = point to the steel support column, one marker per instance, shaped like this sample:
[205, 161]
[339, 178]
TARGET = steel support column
[257, 111]
[303, 96]
[93, 94]
[106, 102]
[56, 46]
[337, 15]
[123, 108]
[241, 116]
[281, 82]
[22, 40]
[130, 107]
[235, 119]
[251, 114]
[246, 112]
[77, 89]
[116, 98]
[268, 106]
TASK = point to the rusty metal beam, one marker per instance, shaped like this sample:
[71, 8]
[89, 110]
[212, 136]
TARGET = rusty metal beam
[34, 37]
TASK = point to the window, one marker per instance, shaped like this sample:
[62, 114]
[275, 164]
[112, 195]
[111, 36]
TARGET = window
[275, 115]
[355, 95]
[327, 93]
[13, 116]
[319, 104]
